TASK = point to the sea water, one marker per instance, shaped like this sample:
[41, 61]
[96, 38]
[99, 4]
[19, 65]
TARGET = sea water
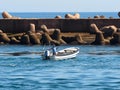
[94, 68]
[62, 14]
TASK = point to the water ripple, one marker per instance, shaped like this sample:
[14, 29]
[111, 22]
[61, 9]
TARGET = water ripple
[95, 68]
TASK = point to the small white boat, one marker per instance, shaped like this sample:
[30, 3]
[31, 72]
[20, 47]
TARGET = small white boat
[66, 53]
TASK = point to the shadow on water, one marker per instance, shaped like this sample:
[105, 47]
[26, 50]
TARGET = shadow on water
[115, 52]
[23, 53]
[20, 53]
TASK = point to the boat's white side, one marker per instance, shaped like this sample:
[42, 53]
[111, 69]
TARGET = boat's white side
[68, 56]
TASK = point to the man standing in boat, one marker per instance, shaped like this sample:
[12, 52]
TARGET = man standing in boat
[54, 50]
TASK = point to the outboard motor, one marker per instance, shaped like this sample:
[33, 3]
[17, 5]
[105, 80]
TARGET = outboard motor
[47, 54]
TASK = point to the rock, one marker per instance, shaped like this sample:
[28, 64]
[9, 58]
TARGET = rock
[45, 40]
[25, 39]
[80, 40]
[1, 31]
[99, 40]
[62, 42]
[118, 29]
[68, 40]
[44, 28]
[119, 14]
[56, 35]
[55, 42]
[109, 30]
[94, 29]
[39, 35]
[69, 16]
[5, 14]
[14, 41]
[116, 39]
[32, 27]
[102, 17]
[4, 38]
[34, 39]
[58, 17]
[97, 17]
[75, 16]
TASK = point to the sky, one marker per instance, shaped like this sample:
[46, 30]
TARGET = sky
[60, 5]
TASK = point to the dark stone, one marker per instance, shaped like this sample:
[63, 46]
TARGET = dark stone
[25, 39]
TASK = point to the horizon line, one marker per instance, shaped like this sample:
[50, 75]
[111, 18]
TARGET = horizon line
[59, 11]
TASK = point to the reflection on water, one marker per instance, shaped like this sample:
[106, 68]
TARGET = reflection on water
[95, 68]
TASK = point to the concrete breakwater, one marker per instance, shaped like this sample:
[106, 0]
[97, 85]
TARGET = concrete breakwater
[65, 25]
[15, 26]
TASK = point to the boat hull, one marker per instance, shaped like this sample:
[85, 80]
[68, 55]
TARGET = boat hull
[54, 57]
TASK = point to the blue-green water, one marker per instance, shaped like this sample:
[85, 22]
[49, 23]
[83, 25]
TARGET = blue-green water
[95, 68]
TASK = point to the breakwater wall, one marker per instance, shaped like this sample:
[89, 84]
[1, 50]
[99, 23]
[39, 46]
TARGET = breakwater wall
[65, 25]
